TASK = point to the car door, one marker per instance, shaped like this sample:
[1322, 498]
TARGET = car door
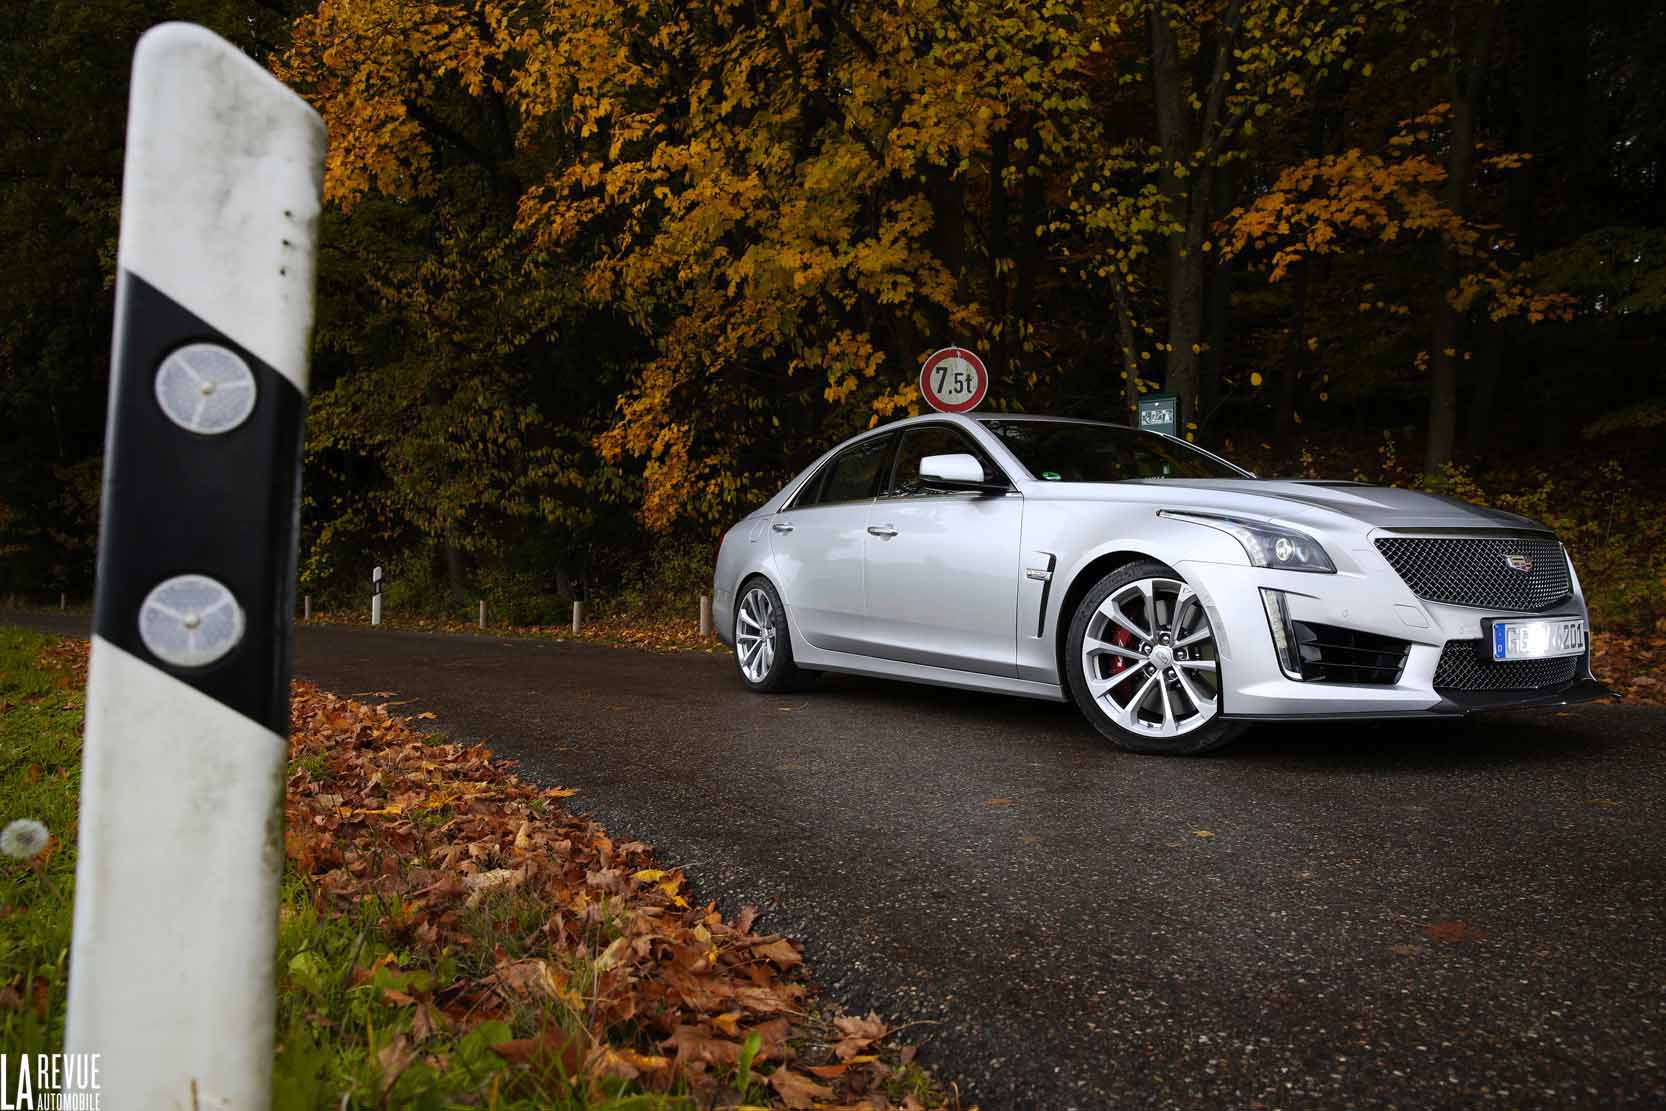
[942, 566]
[817, 540]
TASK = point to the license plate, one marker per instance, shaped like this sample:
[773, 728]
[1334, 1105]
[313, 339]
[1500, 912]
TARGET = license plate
[1537, 640]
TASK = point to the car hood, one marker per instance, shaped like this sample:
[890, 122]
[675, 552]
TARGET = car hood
[1374, 506]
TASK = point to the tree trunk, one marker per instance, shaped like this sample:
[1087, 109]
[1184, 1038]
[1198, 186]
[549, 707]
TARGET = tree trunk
[1295, 360]
[1443, 367]
[454, 569]
[1190, 194]
[1125, 338]
[1217, 316]
[1488, 362]
[1444, 356]
[999, 248]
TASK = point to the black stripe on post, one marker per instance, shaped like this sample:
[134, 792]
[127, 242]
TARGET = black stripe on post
[178, 502]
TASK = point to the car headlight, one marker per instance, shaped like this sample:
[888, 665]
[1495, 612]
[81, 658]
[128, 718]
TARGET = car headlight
[1266, 545]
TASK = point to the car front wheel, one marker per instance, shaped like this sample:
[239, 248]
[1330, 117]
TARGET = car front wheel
[1142, 663]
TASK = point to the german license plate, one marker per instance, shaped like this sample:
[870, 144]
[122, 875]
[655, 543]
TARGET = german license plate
[1537, 640]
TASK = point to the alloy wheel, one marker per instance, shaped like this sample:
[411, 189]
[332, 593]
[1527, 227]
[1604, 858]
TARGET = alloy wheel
[1149, 658]
[755, 634]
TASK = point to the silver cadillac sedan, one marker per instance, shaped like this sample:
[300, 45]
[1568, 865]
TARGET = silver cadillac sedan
[1174, 597]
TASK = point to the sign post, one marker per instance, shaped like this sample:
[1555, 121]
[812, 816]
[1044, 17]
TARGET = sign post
[1160, 412]
[181, 828]
[954, 380]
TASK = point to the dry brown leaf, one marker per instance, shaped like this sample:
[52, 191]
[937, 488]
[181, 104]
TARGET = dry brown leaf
[781, 951]
[531, 976]
[796, 1090]
[858, 1034]
[828, 1072]
[393, 1059]
[550, 1049]
[695, 1044]
[1452, 933]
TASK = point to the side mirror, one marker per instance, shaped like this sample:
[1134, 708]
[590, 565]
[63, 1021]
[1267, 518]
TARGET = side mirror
[955, 472]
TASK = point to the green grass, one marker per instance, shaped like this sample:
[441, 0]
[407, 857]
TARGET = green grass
[40, 777]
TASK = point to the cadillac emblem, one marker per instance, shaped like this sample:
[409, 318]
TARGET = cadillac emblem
[1518, 563]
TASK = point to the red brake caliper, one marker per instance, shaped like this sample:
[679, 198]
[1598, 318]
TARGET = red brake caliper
[1122, 638]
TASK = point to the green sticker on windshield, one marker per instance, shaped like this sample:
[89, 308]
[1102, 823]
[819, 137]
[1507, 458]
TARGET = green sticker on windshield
[1051, 476]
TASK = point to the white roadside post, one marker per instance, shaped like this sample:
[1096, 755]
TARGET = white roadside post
[482, 613]
[376, 596]
[181, 829]
[705, 616]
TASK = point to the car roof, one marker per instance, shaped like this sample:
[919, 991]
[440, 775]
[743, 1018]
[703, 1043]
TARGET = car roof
[978, 418]
[1050, 419]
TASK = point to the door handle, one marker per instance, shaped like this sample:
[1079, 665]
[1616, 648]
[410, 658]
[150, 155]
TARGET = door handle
[882, 530]
[781, 526]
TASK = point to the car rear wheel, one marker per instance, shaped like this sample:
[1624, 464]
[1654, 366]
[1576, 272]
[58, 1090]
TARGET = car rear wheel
[763, 649]
[1142, 663]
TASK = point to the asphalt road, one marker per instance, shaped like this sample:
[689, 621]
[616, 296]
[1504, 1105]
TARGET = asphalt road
[1075, 927]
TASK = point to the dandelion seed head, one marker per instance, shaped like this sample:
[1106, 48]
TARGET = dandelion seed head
[24, 838]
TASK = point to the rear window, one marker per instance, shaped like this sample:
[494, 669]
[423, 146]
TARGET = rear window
[1063, 451]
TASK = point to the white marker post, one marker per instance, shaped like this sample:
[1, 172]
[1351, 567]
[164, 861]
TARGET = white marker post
[376, 596]
[181, 831]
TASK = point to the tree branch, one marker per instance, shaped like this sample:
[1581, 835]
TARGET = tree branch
[439, 129]
[1216, 96]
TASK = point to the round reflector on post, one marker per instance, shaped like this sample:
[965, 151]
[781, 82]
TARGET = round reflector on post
[205, 388]
[190, 621]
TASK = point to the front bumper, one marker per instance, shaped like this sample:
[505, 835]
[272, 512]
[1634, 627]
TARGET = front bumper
[1459, 704]
[1373, 600]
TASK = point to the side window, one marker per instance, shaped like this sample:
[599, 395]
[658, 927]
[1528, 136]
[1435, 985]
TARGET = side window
[852, 475]
[810, 492]
[934, 439]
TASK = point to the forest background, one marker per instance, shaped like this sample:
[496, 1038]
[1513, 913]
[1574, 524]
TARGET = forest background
[596, 276]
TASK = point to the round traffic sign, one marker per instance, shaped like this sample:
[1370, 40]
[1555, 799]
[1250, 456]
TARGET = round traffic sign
[954, 380]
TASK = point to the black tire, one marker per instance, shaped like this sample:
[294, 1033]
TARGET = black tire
[779, 672]
[1211, 734]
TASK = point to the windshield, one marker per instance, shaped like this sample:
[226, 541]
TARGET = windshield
[1064, 451]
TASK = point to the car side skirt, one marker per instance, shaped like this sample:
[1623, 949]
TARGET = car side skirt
[850, 664]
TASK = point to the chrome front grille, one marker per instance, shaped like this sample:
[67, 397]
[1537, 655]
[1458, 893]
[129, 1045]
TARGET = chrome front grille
[1463, 667]
[1482, 571]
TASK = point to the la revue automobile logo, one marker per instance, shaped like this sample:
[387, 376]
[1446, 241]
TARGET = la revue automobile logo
[49, 1082]
[1517, 562]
